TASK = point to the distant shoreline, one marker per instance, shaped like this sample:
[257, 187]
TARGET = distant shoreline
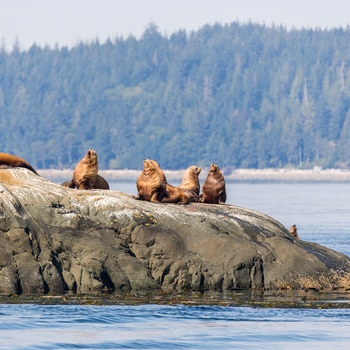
[287, 175]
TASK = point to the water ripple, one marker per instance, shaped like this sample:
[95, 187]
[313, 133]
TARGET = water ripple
[169, 327]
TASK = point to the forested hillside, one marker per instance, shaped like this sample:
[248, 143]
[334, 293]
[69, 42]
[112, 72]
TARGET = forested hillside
[239, 95]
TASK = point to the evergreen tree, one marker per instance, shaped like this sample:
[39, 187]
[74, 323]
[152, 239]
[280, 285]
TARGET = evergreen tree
[239, 95]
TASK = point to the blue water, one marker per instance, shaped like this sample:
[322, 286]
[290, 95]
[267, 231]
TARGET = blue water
[171, 327]
[321, 212]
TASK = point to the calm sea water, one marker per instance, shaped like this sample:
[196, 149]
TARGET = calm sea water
[171, 327]
[321, 212]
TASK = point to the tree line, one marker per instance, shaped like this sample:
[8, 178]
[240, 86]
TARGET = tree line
[238, 95]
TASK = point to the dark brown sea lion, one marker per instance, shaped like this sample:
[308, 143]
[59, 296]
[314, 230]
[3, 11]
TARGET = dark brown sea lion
[69, 184]
[9, 160]
[85, 174]
[190, 180]
[172, 194]
[293, 231]
[100, 183]
[214, 188]
[149, 184]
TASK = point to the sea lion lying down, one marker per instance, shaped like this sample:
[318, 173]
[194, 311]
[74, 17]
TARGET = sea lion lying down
[9, 160]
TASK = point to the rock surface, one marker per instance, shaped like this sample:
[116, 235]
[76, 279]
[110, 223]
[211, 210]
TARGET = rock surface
[55, 239]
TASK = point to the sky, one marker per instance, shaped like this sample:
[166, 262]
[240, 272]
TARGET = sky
[67, 22]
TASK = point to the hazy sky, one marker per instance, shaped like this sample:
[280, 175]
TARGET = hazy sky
[66, 22]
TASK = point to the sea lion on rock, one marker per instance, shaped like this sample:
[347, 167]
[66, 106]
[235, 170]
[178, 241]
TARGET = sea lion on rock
[293, 231]
[172, 194]
[149, 184]
[100, 183]
[85, 174]
[69, 184]
[9, 160]
[214, 189]
[190, 180]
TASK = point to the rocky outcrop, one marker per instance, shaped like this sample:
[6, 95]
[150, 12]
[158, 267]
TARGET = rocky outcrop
[55, 239]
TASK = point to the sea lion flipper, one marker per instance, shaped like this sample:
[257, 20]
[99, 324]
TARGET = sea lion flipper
[155, 197]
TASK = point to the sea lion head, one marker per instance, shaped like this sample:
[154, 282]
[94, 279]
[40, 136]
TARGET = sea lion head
[91, 158]
[148, 165]
[160, 172]
[91, 153]
[193, 169]
[155, 164]
[293, 229]
[214, 168]
[197, 170]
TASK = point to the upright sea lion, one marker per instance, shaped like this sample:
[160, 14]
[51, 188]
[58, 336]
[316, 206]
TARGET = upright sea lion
[172, 194]
[85, 174]
[293, 231]
[214, 189]
[190, 180]
[149, 184]
[9, 160]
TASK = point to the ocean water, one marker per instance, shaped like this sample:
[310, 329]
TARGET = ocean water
[321, 212]
[171, 327]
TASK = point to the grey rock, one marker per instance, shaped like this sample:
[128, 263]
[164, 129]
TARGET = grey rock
[54, 239]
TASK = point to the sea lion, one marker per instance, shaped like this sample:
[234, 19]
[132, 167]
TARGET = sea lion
[85, 174]
[172, 194]
[100, 183]
[190, 180]
[293, 231]
[69, 184]
[149, 184]
[214, 189]
[9, 160]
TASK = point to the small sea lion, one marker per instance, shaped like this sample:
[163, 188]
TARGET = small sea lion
[293, 231]
[85, 174]
[149, 184]
[190, 180]
[214, 188]
[9, 160]
[172, 194]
